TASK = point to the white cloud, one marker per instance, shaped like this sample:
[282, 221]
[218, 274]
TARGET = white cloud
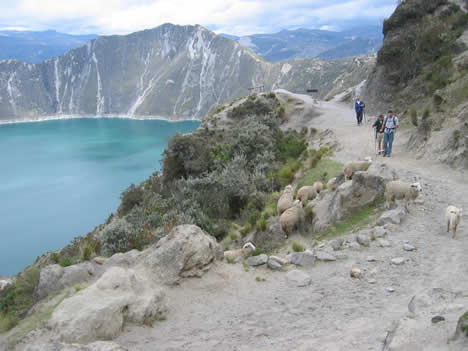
[231, 16]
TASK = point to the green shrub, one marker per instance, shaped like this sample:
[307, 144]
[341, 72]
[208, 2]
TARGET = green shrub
[426, 114]
[67, 261]
[297, 247]
[261, 223]
[130, 197]
[257, 252]
[246, 230]
[233, 236]
[86, 251]
[54, 257]
[253, 217]
[290, 146]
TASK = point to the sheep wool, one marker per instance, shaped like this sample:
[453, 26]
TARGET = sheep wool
[351, 167]
[286, 200]
[397, 190]
[453, 216]
[293, 218]
[306, 193]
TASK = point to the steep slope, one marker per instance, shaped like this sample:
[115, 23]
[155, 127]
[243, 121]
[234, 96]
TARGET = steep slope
[35, 47]
[311, 43]
[174, 72]
[421, 72]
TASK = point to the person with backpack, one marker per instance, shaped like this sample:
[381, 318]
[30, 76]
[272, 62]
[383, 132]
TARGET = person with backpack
[389, 126]
[379, 134]
[359, 108]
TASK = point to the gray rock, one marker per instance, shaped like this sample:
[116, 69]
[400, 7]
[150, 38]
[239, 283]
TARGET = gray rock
[275, 262]
[124, 260]
[96, 346]
[337, 244]
[257, 260]
[324, 256]
[187, 251]
[408, 247]
[382, 170]
[379, 232]
[383, 243]
[298, 278]
[99, 260]
[371, 259]
[372, 281]
[398, 261]
[363, 239]
[306, 258]
[394, 216]
[419, 201]
[340, 256]
[390, 289]
[99, 312]
[353, 246]
[55, 278]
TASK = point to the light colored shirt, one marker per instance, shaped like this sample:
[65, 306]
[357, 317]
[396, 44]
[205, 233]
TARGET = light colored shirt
[391, 123]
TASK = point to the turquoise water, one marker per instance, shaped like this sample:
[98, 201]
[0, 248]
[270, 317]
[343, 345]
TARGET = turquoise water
[59, 179]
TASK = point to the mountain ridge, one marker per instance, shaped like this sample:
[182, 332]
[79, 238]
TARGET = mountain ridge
[170, 72]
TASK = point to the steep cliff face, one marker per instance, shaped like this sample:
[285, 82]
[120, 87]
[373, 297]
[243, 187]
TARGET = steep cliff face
[175, 72]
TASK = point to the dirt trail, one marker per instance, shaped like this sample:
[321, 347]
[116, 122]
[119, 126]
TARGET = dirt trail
[228, 309]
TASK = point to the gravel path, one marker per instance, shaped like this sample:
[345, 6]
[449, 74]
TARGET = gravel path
[228, 309]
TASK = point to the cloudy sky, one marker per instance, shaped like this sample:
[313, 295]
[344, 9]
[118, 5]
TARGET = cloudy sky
[237, 17]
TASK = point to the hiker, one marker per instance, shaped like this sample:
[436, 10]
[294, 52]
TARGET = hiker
[379, 134]
[359, 108]
[389, 126]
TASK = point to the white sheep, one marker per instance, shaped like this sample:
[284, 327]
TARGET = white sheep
[318, 186]
[286, 200]
[293, 218]
[397, 190]
[306, 193]
[356, 166]
[233, 255]
[453, 216]
[331, 185]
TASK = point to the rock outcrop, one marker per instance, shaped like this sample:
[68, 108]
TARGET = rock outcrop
[187, 251]
[100, 312]
[362, 190]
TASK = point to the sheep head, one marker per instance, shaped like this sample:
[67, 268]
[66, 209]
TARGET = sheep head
[250, 246]
[417, 187]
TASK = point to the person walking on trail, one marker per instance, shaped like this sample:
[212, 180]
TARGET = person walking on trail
[389, 126]
[379, 134]
[359, 108]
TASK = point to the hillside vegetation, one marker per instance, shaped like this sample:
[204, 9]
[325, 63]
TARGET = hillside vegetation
[421, 72]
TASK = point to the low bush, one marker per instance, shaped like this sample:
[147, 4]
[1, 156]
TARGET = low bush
[54, 257]
[297, 247]
[67, 261]
[130, 197]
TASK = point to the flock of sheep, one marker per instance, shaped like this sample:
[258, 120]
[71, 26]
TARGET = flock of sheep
[292, 216]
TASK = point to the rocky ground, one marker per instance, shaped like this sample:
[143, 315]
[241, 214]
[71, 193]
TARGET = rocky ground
[413, 272]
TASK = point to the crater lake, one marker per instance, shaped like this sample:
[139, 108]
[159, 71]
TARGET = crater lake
[61, 178]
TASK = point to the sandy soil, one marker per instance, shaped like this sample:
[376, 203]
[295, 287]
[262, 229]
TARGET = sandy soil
[228, 309]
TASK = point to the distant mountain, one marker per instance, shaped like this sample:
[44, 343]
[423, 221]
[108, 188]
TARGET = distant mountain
[311, 43]
[175, 72]
[35, 47]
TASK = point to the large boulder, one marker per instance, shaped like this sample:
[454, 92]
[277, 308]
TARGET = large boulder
[95, 346]
[56, 278]
[187, 251]
[100, 312]
[362, 190]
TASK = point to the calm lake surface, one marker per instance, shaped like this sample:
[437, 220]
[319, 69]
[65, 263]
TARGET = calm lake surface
[59, 179]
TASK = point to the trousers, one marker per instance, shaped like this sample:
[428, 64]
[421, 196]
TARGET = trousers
[388, 142]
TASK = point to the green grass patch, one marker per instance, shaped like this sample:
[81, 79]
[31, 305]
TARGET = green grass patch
[359, 218]
[297, 247]
[324, 170]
